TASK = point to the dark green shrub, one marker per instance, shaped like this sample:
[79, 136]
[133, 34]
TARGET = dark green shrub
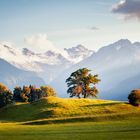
[17, 94]
[6, 96]
[134, 97]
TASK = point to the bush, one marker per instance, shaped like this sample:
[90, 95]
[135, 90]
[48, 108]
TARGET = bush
[6, 96]
[47, 91]
[17, 94]
[134, 97]
[35, 94]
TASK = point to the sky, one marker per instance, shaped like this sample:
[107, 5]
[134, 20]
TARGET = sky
[44, 24]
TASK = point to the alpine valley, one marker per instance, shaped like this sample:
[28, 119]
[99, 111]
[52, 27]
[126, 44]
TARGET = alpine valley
[118, 66]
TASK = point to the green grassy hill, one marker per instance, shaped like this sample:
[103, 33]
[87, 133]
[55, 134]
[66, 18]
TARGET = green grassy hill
[94, 119]
[53, 109]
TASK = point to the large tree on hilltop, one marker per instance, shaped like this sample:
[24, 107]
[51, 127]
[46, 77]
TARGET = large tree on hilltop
[82, 84]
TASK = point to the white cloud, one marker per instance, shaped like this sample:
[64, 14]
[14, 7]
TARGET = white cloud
[128, 8]
[40, 43]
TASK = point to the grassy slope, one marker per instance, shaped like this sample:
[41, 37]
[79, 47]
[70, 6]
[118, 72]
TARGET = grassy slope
[53, 108]
[95, 119]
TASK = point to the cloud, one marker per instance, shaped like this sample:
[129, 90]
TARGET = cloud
[94, 28]
[128, 8]
[40, 43]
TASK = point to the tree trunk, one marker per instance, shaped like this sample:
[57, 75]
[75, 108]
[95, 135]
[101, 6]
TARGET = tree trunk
[85, 95]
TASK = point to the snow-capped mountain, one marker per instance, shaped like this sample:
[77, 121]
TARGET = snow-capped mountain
[115, 55]
[27, 52]
[78, 53]
[49, 57]
[16, 58]
[28, 59]
[47, 65]
[115, 63]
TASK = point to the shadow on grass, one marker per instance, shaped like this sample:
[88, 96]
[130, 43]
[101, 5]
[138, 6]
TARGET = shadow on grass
[101, 118]
[103, 104]
[25, 112]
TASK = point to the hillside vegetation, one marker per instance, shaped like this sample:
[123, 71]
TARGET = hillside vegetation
[94, 119]
[54, 109]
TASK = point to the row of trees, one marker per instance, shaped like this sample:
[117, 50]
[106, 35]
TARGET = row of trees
[31, 93]
[24, 94]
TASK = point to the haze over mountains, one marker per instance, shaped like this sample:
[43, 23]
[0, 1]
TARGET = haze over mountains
[12, 76]
[117, 64]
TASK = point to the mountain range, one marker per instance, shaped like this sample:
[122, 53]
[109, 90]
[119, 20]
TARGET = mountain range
[115, 64]
[47, 64]
[118, 66]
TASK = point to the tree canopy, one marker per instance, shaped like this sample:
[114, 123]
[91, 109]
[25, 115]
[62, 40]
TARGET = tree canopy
[81, 83]
[6, 96]
[31, 93]
[134, 97]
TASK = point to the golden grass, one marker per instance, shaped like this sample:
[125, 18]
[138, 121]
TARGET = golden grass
[54, 107]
